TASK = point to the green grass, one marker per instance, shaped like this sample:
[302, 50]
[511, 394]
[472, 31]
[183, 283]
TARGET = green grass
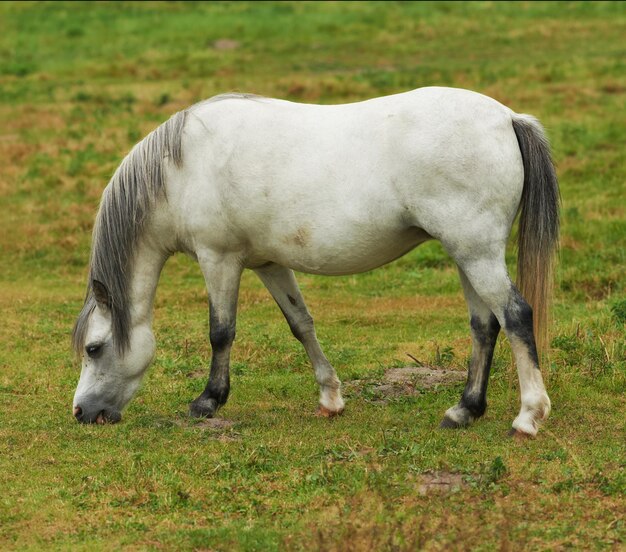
[81, 83]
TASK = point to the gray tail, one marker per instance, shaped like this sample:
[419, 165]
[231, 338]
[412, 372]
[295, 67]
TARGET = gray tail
[538, 235]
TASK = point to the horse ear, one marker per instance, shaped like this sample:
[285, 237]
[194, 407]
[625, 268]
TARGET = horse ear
[102, 295]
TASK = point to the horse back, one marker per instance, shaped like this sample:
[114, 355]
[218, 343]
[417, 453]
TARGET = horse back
[311, 186]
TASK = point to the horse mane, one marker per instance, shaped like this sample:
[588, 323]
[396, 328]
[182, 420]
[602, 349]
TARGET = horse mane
[126, 202]
[124, 207]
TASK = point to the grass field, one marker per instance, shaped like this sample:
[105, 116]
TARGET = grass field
[81, 83]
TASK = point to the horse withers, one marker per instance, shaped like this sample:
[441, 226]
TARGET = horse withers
[246, 182]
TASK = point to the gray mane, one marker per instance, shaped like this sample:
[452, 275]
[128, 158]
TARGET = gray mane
[124, 207]
[126, 202]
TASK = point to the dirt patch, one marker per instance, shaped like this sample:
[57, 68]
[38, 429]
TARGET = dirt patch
[221, 427]
[613, 88]
[440, 482]
[216, 424]
[404, 382]
[225, 44]
[423, 377]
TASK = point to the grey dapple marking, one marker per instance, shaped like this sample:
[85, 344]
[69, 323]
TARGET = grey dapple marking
[247, 182]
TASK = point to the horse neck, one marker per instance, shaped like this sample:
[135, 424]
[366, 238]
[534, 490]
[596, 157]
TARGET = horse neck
[148, 261]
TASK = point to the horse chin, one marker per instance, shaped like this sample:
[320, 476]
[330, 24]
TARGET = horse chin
[108, 417]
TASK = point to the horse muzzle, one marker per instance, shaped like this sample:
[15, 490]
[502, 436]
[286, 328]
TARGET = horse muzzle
[96, 416]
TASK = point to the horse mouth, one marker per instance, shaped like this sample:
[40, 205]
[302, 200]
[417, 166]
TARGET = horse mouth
[106, 417]
[103, 417]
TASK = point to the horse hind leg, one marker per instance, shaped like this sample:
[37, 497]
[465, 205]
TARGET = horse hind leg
[281, 283]
[484, 328]
[222, 276]
[489, 278]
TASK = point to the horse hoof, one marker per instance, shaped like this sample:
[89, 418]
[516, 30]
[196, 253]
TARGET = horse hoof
[449, 423]
[203, 408]
[519, 435]
[324, 412]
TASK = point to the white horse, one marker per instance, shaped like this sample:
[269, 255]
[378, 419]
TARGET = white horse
[241, 181]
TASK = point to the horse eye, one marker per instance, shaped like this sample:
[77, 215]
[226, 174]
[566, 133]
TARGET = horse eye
[94, 350]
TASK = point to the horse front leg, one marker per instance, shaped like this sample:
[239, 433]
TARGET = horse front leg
[281, 283]
[222, 275]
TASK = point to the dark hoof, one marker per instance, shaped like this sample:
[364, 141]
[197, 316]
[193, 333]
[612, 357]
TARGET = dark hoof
[449, 423]
[519, 435]
[203, 408]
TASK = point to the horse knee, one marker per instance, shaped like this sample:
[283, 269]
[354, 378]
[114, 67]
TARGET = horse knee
[485, 333]
[221, 336]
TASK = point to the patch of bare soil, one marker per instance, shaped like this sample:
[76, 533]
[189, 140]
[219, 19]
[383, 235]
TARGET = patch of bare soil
[423, 377]
[217, 424]
[408, 381]
[440, 482]
[221, 427]
[225, 44]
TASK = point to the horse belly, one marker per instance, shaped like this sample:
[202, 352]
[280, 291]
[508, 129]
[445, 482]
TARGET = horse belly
[329, 251]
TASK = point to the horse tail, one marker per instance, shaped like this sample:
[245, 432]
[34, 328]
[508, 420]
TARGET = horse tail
[538, 234]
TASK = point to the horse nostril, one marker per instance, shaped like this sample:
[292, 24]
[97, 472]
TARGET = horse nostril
[78, 412]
